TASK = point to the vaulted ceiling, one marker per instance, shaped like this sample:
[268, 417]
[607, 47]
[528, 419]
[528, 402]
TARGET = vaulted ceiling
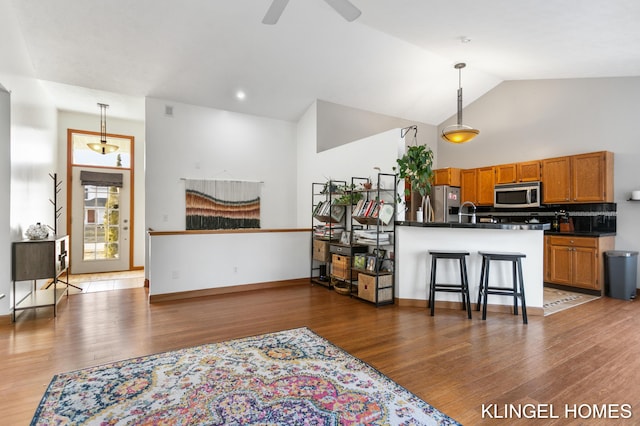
[396, 59]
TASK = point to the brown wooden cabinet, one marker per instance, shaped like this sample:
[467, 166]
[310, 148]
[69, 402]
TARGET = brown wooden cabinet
[576, 261]
[469, 185]
[449, 176]
[592, 177]
[584, 178]
[528, 171]
[486, 185]
[556, 180]
[505, 173]
[477, 186]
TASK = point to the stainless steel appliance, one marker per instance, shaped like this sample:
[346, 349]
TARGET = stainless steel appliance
[446, 201]
[518, 195]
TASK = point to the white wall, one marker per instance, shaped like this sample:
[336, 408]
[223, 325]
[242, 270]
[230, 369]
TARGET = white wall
[338, 125]
[33, 157]
[181, 263]
[357, 158]
[5, 196]
[90, 122]
[30, 155]
[528, 120]
[204, 143]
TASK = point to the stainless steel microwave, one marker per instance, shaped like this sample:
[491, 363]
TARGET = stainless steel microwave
[517, 195]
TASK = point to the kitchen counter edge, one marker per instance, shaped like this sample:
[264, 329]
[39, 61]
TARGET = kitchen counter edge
[507, 226]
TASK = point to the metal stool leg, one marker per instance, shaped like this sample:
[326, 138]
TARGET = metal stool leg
[514, 278]
[485, 285]
[465, 283]
[464, 301]
[479, 302]
[522, 299]
[432, 286]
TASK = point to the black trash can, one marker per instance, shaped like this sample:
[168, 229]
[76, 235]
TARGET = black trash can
[621, 268]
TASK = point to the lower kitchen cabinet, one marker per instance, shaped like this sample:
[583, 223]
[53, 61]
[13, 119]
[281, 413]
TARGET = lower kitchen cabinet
[576, 261]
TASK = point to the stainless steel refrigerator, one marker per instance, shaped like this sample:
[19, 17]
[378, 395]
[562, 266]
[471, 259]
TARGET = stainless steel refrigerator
[446, 201]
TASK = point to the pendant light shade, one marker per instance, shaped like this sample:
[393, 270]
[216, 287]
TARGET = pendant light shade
[459, 133]
[103, 147]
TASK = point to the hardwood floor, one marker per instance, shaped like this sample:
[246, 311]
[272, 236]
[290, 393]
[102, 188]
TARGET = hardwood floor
[585, 355]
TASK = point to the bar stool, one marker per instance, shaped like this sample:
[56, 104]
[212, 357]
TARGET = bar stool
[485, 289]
[462, 287]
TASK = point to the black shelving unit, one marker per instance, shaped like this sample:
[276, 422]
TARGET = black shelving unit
[373, 226]
[328, 223]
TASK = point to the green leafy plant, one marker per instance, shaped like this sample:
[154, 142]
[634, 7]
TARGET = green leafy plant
[416, 165]
[349, 198]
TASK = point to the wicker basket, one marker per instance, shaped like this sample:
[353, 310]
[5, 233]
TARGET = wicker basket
[342, 288]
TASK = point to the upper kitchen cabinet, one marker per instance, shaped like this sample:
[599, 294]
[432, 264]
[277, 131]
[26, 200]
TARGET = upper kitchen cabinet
[584, 178]
[477, 185]
[528, 171]
[592, 176]
[449, 176]
[486, 184]
[556, 180]
[505, 173]
[469, 185]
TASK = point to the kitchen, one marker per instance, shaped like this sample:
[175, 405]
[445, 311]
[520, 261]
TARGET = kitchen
[558, 211]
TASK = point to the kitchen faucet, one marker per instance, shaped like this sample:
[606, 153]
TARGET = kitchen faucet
[473, 215]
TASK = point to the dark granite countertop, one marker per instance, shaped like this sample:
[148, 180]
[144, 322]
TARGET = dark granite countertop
[508, 226]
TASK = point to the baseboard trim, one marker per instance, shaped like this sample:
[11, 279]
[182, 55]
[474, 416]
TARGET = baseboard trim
[158, 298]
[417, 303]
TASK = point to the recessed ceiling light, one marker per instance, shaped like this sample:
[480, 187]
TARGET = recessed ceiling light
[240, 95]
[465, 39]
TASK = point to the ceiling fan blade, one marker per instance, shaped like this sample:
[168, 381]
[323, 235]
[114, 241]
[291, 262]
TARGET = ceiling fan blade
[274, 12]
[345, 8]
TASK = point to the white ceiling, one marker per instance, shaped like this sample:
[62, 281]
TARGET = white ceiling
[396, 59]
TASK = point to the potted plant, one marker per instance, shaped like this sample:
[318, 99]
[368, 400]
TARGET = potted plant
[416, 166]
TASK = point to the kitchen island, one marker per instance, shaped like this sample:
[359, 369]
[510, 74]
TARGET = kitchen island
[413, 262]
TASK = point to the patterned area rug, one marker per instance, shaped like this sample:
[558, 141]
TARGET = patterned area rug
[285, 378]
[556, 300]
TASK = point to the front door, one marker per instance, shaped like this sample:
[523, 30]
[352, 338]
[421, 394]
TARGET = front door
[100, 210]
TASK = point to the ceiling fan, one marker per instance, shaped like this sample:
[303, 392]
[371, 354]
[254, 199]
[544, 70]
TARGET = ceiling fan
[344, 7]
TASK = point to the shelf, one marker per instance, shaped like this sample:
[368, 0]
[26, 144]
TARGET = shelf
[315, 280]
[372, 273]
[41, 298]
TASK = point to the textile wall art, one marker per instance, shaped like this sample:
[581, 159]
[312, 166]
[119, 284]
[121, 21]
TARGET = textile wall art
[222, 204]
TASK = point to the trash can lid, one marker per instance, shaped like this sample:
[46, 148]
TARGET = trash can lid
[620, 253]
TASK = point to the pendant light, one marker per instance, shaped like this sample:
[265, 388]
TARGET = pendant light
[103, 147]
[459, 133]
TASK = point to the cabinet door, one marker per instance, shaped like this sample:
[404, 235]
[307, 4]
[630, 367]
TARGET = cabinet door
[505, 173]
[449, 176]
[585, 268]
[528, 171]
[556, 180]
[560, 264]
[469, 186]
[486, 184]
[589, 176]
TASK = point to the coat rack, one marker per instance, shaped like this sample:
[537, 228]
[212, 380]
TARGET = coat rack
[57, 212]
[57, 187]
